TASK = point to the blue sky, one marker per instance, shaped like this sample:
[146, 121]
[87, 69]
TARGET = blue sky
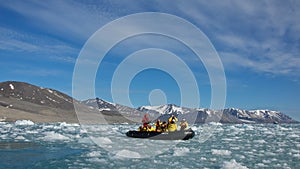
[258, 43]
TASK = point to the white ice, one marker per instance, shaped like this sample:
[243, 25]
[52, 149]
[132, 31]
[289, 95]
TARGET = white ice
[24, 123]
[181, 151]
[127, 154]
[221, 152]
[233, 164]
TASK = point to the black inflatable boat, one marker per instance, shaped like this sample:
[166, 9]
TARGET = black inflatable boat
[176, 135]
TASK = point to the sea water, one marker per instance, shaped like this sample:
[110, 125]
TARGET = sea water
[25, 144]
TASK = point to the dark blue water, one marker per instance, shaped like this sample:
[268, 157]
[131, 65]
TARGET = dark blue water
[60, 145]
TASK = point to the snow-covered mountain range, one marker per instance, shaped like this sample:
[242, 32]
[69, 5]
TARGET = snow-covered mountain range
[229, 115]
[198, 115]
[19, 100]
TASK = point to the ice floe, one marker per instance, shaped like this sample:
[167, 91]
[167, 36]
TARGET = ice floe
[23, 122]
[221, 152]
[127, 154]
[233, 164]
[53, 136]
[181, 151]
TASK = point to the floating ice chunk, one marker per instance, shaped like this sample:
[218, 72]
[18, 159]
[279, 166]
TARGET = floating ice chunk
[68, 124]
[85, 141]
[283, 128]
[266, 161]
[296, 155]
[127, 154]
[249, 127]
[233, 164]
[97, 160]
[53, 136]
[203, 159]
[261, 165]
[20, 138]
[182, 151]
[270, 154]
[101, 140]
[24, 123]
[94, 154]
[260, 141]
[293, 136]
[221, 152]
[268, 132]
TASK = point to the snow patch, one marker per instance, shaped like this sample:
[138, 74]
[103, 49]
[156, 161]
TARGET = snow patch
[11, 86]
[50, 91]
[232, 164]
[105, 109]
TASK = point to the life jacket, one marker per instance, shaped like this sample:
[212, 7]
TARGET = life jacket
[172, 127]
[150, 129]
[172, 119]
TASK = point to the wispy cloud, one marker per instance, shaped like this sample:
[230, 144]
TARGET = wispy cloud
[72, 20]
[260, 35]
[38, 72]
[43, 46]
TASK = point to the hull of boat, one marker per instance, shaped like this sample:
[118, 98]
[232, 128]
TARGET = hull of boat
[176, 135]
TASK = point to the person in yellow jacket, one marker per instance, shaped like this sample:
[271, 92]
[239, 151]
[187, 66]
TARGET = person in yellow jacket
[172, 126]
[147, 128]
[183, 124]
[150, 129]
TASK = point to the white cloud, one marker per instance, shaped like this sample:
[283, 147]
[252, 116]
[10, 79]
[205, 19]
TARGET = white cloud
[260, 35]
[68, 19]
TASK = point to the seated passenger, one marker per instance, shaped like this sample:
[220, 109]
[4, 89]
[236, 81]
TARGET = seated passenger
[164, 126]
[172, 126]
[183, 124]
[146, 123]
[150, 129]
[158, 126]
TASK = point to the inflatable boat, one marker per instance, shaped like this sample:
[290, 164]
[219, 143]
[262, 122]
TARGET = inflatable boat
[176, 135]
